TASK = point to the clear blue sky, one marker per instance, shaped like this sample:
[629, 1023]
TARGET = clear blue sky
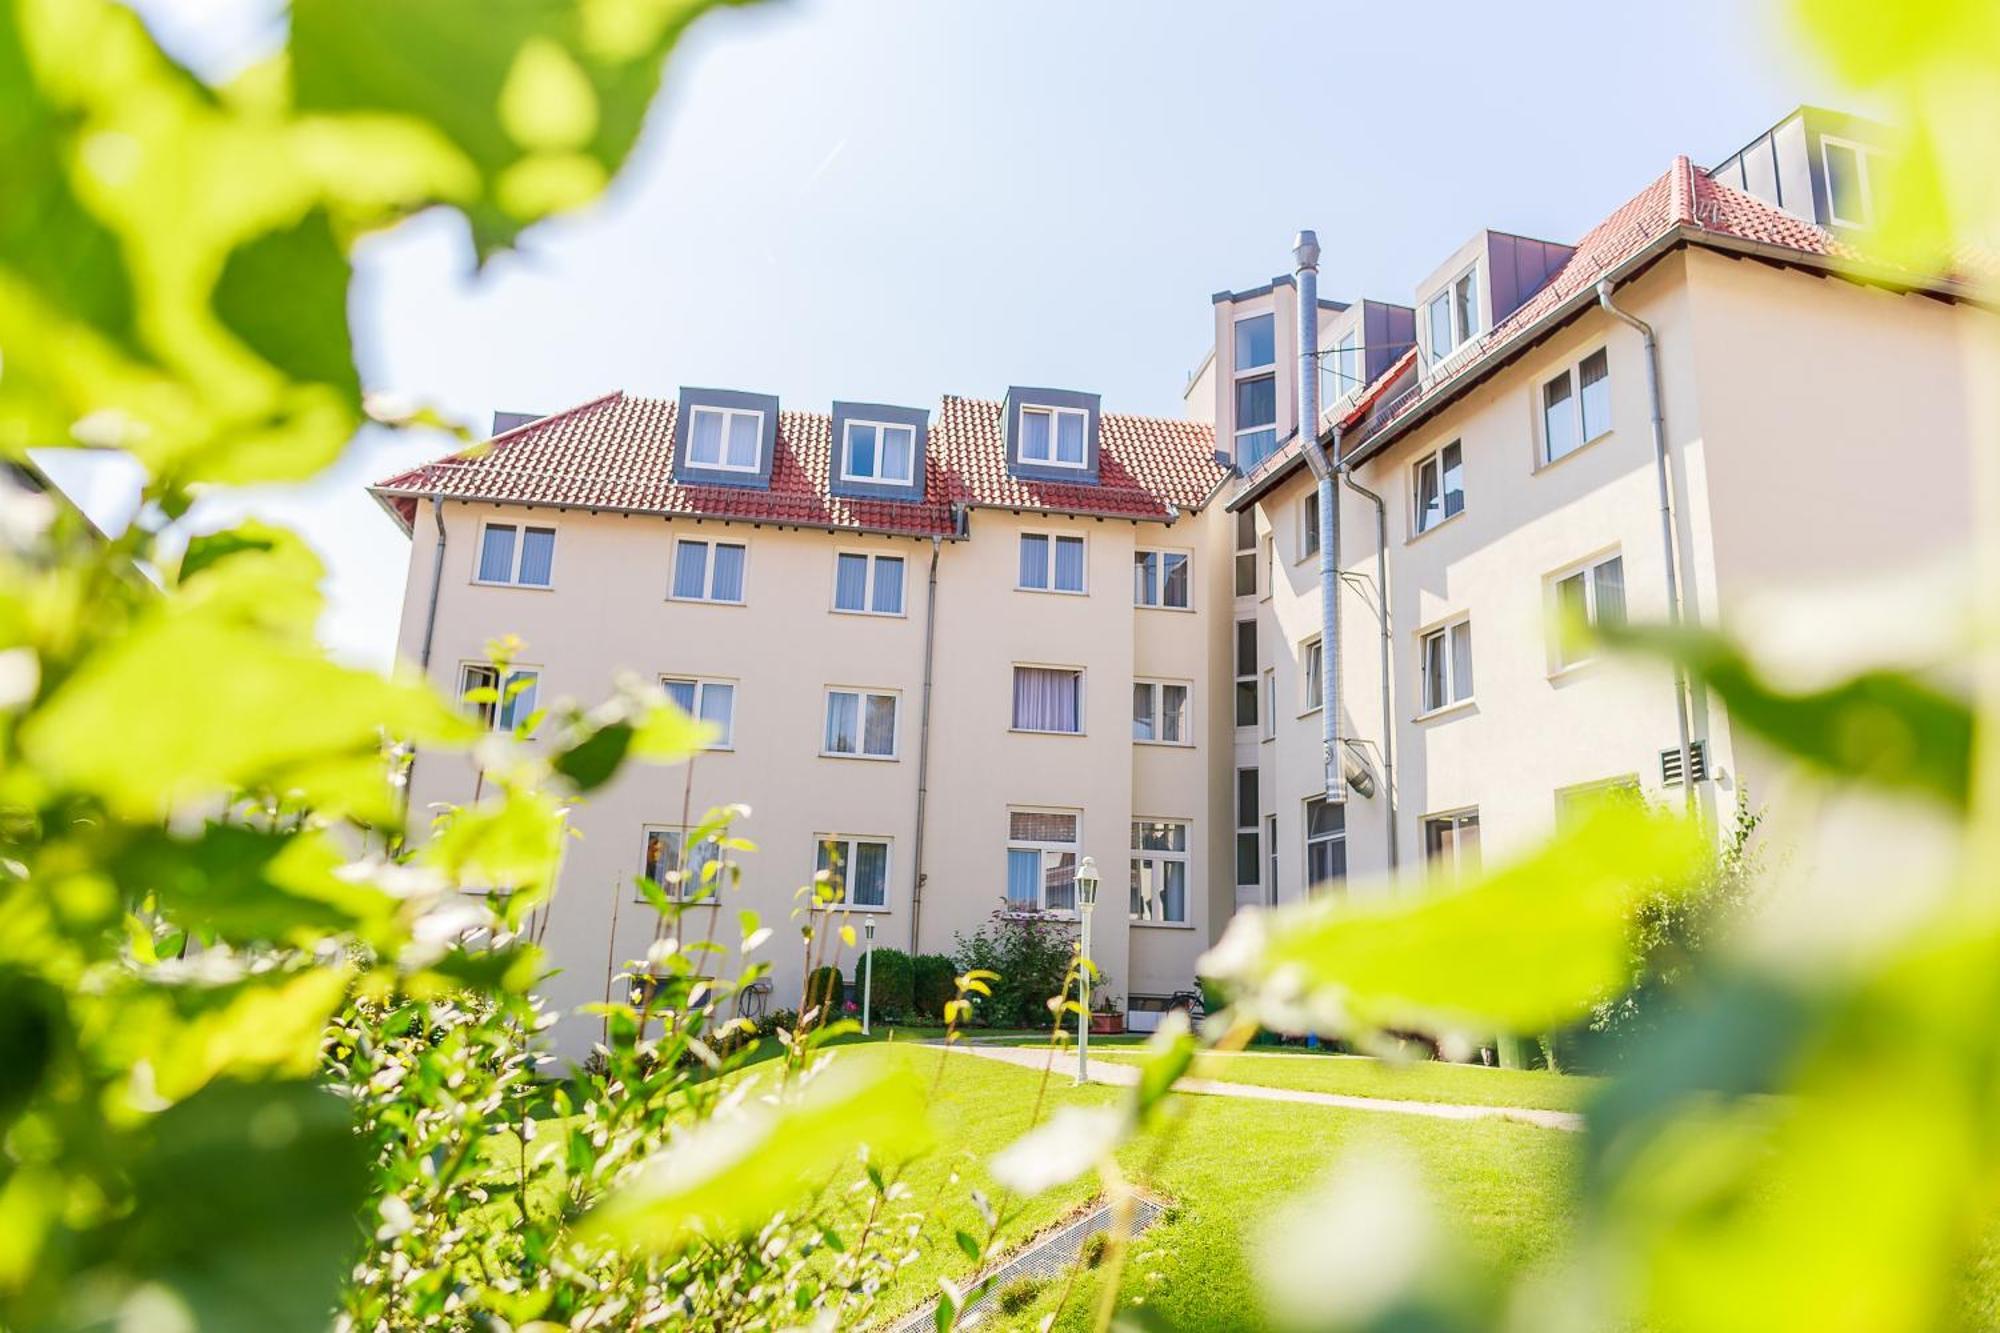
[888, 201]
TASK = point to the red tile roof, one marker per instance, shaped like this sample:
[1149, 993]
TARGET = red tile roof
[616, 453]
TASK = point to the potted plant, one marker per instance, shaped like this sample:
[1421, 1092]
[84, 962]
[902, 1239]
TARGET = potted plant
[1107, 1018]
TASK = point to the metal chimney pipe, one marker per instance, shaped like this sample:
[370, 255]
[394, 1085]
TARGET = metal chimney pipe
[1305, 251]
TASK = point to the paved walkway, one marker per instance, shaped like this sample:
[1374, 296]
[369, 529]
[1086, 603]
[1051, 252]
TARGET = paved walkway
[1123, 1075]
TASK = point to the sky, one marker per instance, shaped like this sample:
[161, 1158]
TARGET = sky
[889, 200]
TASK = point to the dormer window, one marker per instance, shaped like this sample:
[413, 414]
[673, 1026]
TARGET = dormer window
[1848, 196]
[1054, 435]
[879, 451]
[1454, 314]
[728, 438]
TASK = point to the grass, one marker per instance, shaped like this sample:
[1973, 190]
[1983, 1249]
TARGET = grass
[1360, 1076]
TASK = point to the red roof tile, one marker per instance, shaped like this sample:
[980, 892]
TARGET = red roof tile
[616, 452]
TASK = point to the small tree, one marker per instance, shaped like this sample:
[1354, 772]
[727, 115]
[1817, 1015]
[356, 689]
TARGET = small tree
[1032, 953]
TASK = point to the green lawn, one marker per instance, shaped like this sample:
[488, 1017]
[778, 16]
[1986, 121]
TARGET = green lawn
[1360, 1076]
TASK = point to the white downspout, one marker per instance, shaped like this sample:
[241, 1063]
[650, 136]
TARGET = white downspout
[1305, 250]
[1667, 545]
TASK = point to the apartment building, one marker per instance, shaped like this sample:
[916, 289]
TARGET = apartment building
[918, 631]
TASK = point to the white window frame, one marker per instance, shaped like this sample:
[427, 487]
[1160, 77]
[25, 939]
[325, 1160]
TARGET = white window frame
[1244, 517]
[844, 902]
[1434, 459]
[1572, 373]
[1270, 566]
[1158, 686]
[1458, 821]
[1046, 850]
[851, 473]
[1345, 350]
[1308, 525]
[1182, 857]
[1862, 152]
[1460, 334]
[723, 464]
[1270, 687]
[1587, 567]
[1082, 699]
[1055, 415]
[492, 716]
[521, 531]
[1160, 578]
[1243, 677]
[1049, 564]
[868, 584]
[1237, 374]
[708, 571]
[1309, 841]
[1248, 825]
[1312, 675]
[677, 892]
[701, 684]
[862, 695]
[1453, 701]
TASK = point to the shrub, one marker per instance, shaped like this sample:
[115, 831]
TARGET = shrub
[826, 992]
[893, 994]
[934, 983]
[1017, 1296]
[1031, 953]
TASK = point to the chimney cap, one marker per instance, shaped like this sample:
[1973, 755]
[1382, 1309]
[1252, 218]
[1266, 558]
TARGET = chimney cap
[1305, 249]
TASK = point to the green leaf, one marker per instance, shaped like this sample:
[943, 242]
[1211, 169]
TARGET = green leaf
[594, 760]
[727, 1176]
[1524, 949]
[247, 886]
[1887, 728]
[285, 294]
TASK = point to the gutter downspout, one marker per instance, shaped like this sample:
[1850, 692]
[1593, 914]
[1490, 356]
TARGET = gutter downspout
[1305, 250]
[924, 747]
[1346, 470]
[1667, 545]
[430, 634]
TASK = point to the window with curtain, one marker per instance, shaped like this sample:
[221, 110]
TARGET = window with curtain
[713, 701]
[1051, 562]
[1041, 860]
[1055, 435]
[1256, 419]
[868, 584]
[1447, 666]
[1160, 578]
[728, 438]
[1159, 712]
[1048, 699]
[1576, 406]
[524, 557]
[1326, 843]
[861, 723]
[1590, 595]
[857, 869]
[1160, 871]
[661, 863]
[708, 571]
[1440, 486]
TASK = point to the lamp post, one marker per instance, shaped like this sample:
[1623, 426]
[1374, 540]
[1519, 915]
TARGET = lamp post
[867, 971]
[1086, 900]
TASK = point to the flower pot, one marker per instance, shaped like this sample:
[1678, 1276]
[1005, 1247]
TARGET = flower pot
[1106, 1025]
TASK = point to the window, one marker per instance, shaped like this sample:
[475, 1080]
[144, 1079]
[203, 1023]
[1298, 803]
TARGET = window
[860, 723]
[1451, 843]
[1041, 860]
[1256, 390]
[1440, 486]
[857, 869]
[868, 584]
[1160, 578]
[1326, 843]
[1054, 435]
[1270, 565]
[1271, 845]
[1586, 597]
[526, 563]
[1309, 524]
[661, 863]
[1160, 712]
[879, 451]
[1312, 666]
[1246, 828]
[1246, 553]
[706, 571]
[728, 438]
[1160, 871]
[1246, 673]
[1447, 665]
[1270, 703]
[1576, 406]
[1048, 699]
[500, 705]
[1347, 363]
[1453, 315]
[1574, 803]
[1051, 563]
[1849, 200]
[713, 701]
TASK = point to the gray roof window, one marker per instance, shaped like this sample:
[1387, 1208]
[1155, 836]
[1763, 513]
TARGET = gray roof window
[723, 437]
[1051, 435]
[878, 451]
